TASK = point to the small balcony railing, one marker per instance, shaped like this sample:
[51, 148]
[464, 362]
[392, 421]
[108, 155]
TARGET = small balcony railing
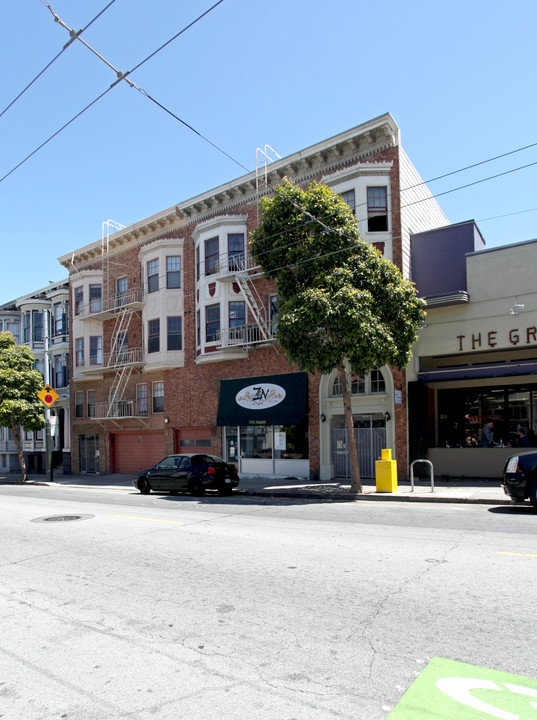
[228, 264]
[120, 409]
[123, 356]
[244, 335]
[101, 308]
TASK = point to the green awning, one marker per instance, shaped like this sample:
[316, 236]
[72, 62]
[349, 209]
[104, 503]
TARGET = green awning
[263, 400]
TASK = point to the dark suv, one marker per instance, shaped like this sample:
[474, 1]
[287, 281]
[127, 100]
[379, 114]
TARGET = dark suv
[520, 477]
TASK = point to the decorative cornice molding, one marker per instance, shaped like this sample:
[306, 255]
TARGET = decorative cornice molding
[159, 244]
[320, 160]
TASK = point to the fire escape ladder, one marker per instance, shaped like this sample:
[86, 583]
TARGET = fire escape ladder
[123, 374]
[254, 302]
[123, 369]
[123, 320]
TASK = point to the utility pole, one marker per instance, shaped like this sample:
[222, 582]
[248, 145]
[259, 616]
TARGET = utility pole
[48, 435]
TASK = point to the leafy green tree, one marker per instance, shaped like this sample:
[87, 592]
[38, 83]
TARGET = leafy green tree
[19, 386]
[340, 303]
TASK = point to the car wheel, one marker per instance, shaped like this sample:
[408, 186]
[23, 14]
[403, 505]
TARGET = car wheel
[225, 490]
[197, 488]
[143, 486]
[533, 494]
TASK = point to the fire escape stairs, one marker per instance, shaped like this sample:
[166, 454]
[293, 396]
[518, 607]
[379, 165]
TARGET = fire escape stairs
[254, 303]
[119, 362]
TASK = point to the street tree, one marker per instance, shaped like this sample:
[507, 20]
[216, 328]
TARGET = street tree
[19, 386]
[340, 303]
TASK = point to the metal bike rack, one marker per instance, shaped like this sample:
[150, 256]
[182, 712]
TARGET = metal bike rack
[428, 462]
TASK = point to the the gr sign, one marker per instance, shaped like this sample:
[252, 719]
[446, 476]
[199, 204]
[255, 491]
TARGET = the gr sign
[446, 690]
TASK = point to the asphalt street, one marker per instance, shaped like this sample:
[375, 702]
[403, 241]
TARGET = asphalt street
[130, 606]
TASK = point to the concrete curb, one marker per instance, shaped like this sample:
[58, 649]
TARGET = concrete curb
[472, 495]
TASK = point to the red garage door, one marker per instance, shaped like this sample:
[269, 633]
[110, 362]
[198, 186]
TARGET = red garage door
[137, 451]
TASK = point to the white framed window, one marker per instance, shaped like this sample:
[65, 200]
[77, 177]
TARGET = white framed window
[211, 255]
[158, 397]
[141, 400]
[122, 287]
[377, 208]
[235, 251]
[350, 198]
[212, 323]
[37, 326]
[79, 299]
[79, 404]
[152, 276]
[175, 333]
[237, 313]
[173, 271]
[90, 403]
[96, 350]
[95, 295]
[26, 327]
[79, 352]
[153, 336]
[371, 384]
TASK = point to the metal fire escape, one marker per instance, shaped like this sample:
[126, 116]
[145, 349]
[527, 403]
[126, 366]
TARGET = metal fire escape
[122, 360]
[239, 268]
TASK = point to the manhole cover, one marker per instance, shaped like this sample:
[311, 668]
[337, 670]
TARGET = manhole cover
[62, 518]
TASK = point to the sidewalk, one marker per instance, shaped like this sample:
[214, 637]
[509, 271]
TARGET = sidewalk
[456, 490]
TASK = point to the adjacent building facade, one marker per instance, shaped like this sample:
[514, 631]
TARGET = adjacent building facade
[172, 327]
[476, 359]
[27, 318]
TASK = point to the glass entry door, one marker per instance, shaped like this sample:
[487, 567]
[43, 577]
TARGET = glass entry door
[370, 437]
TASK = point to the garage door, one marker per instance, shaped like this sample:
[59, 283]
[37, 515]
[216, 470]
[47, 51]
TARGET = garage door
[137, 451]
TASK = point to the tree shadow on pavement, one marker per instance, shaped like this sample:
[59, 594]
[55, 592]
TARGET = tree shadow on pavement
[238, 498]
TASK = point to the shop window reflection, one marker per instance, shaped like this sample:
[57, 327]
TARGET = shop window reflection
[463, 412]
[268, 442]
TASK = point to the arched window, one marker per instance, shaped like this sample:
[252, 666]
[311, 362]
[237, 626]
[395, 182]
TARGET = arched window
[377, 382]
[371, 384]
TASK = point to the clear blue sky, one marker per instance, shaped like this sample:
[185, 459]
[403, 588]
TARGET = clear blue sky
[458, 77]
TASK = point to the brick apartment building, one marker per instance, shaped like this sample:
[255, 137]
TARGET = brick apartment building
[172, 326]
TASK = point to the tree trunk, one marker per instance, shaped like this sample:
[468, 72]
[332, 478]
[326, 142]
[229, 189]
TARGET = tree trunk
[356, 483]
[16, 435]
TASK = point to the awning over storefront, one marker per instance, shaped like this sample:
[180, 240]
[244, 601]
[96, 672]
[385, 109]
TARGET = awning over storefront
[264, 400]
[470, 372]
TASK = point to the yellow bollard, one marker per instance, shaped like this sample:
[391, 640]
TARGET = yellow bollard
[386, 472]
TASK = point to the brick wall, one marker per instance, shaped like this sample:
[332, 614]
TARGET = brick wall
[191, 392]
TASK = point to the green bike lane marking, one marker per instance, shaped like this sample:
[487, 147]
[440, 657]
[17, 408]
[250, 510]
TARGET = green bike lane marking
[450, 690]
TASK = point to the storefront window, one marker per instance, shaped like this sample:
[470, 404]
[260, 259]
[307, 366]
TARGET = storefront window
[494, 409]
[463, 412]
[519, 410]
[256, 442]
[289, 442]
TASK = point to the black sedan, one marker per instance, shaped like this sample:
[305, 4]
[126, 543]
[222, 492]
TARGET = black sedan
[520, 477]
[193, 473]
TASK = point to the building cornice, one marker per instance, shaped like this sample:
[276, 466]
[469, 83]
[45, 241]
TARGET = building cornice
[324, 158]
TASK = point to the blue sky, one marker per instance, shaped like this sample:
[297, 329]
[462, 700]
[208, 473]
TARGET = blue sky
[458, 77]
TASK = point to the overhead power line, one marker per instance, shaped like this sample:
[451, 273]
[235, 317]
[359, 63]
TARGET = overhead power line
[74, 36]
[124, 76]
[121, 76]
